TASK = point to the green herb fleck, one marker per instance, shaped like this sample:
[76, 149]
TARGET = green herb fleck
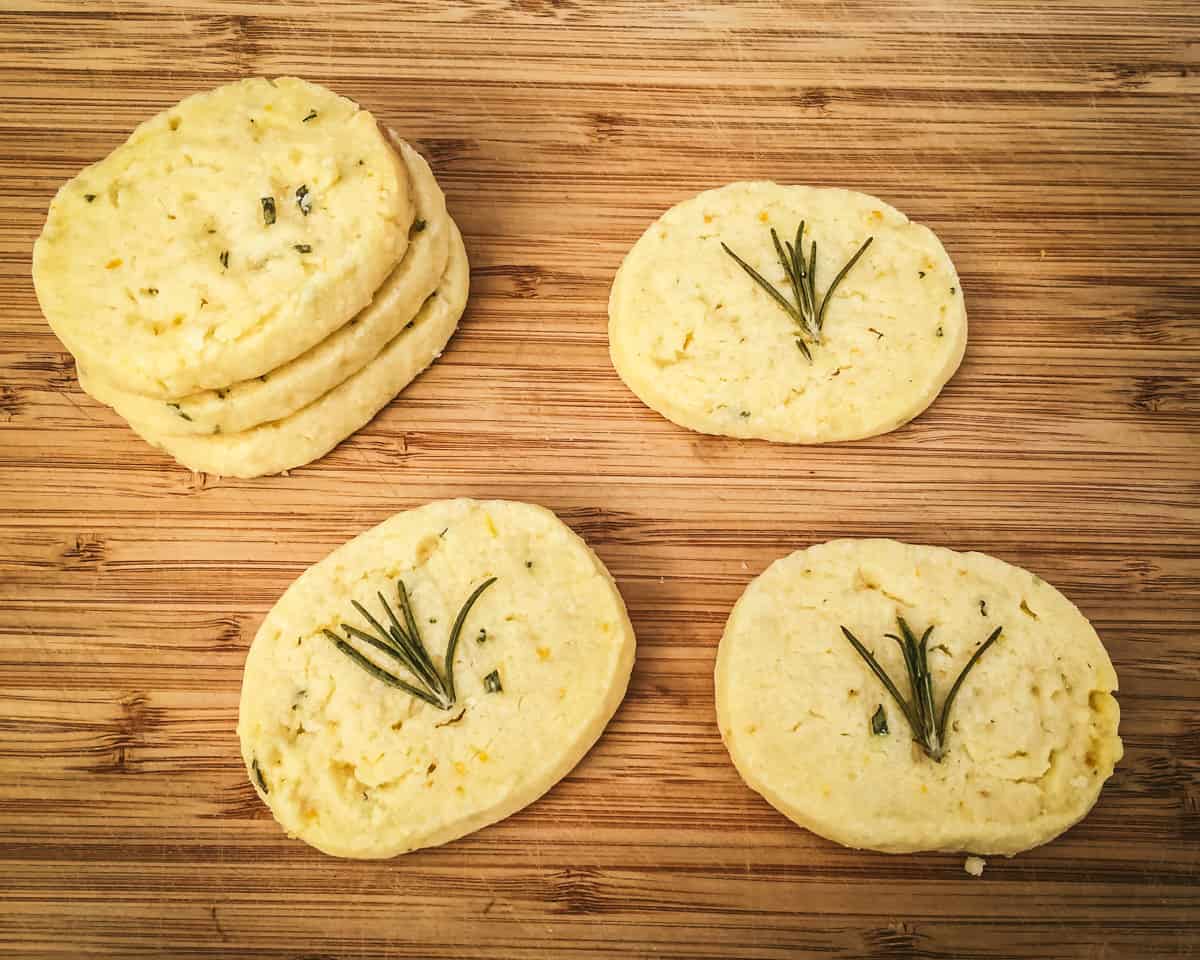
[927, 725]
[311, 115]
[491, 683]
[417, 227]
[879, 725]
[268, 209]
[179, 411]
[303, 248]
[953, 291]
[983, 608]
[744, 413]
[403, 643]
[482, 638]
[528, 564]
[443, 533]
[258, 776]
[433, 619]
[938, 332]
[921, 274]
[808, 312]
[151, 291]
[89, 197]
[224, 258]
[878, 333]
[303, 199]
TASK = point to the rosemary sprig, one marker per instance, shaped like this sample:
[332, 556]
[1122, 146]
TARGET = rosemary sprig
[808, 313]
[927, 725]
[402, 642]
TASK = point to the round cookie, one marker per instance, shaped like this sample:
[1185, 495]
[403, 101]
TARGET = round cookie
[359, 768]
[701, 342]
[1031, 737]
[314, 430]
[347, 350]
[228, 235]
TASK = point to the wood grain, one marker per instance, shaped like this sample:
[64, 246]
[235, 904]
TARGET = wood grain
[1054, 147]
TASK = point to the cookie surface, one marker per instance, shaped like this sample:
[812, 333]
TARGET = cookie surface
[226, 236]
[314, 430]
[700, 342]
[360, 769]
[1032, 735]
[285, 390]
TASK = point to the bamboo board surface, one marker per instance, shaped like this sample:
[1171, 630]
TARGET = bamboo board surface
[1055, 148]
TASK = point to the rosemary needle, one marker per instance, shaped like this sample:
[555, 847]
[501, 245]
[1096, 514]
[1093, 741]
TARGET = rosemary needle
[456, 632]
[402, 642]
[927, 724]
[808, 313]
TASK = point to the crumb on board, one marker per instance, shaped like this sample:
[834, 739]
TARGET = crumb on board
[974, 866]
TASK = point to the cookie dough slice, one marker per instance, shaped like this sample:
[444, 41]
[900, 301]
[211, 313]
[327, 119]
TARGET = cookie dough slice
[314, 430]
[347, 350]
[541, 649]
[707, 345]
[1030, 736]
[229, 234]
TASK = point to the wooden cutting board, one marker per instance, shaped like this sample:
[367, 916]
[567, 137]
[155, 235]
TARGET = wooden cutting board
[1055, 148]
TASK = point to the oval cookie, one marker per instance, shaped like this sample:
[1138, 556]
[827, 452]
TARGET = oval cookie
[359, 768]
[228, 235]
[347, 350]
[1032, 732]
[314, 430]
[704, 344]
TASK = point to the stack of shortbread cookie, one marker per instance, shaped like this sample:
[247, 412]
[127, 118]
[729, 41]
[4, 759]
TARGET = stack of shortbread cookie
[252, 275]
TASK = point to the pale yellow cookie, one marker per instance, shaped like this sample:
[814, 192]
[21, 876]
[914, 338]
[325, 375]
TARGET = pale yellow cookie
[314, 430]
[347, 350]
[360, 768]
[1031, 736]
[229, 234]
[698, 340]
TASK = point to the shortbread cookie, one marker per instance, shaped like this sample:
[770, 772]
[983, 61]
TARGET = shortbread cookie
[314, 430]
[347, 350]
[229, 234]
[701, 342]
[357, 766]
[1031, 736]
